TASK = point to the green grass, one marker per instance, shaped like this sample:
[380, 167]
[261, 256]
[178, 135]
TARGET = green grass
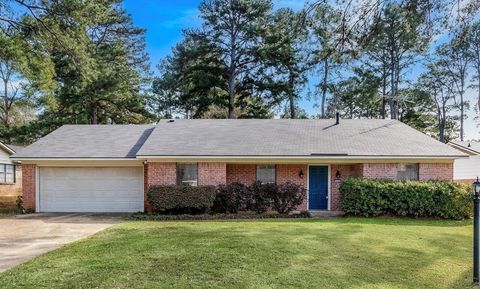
[318, 253]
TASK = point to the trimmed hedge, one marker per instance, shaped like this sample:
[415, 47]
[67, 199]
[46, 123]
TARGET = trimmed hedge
[230, 198]
[260, 197]
[288, 197]
[173, 199]
[373, 197]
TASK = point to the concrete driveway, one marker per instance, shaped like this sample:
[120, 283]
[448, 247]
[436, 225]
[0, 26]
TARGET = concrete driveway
[26, 236]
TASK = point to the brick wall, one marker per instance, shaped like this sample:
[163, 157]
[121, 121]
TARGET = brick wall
[212, 174]
[158, 174]
[435, 171]
[291, 173]
[347, 170]
[162, 174]
[28, 186]
[242, 173]
[380, 171]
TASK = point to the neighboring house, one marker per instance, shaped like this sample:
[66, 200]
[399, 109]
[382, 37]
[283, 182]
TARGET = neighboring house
[10, 174]
[109, 168]
[466, 170]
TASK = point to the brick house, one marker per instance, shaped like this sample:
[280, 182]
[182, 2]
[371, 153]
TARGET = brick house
[109, 168]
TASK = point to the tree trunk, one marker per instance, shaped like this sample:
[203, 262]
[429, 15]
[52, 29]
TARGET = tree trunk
[384, 93]
[462, 116]
[231, 96]
[477, 64]
[291, 97]
[5, 99]
[441, 125]
[231, 77]
[324, 87]
[93, 114]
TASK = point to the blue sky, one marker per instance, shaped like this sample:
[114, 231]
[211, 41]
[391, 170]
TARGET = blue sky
[164, 21]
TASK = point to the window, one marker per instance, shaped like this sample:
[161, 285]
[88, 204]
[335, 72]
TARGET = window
[187, 174]
[266, 174]
[7, 173]
[407, 172]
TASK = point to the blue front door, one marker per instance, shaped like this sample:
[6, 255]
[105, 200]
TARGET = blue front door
[318, 188]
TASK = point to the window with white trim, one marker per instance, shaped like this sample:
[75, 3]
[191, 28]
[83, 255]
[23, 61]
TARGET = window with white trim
[7, 173]
[266, 174]
[187, 174]
[407, 172]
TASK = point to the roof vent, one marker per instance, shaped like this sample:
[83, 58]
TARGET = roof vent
[171, 120]
[469, 145]
[337, 118]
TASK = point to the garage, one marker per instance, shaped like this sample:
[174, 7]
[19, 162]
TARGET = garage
[90, 189]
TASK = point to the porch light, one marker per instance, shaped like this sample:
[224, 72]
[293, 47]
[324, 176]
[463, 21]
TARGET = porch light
[301, 174]
[476, 191]
[338, 175]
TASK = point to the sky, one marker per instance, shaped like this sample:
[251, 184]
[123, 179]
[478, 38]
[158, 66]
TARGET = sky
[164, 21]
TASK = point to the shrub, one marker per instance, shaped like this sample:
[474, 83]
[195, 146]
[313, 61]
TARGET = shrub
[260, 196]
[230, 198]
[288, 197]
[370, 197]
[173, 199]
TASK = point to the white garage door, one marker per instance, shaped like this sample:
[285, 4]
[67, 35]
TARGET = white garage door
[91, 189]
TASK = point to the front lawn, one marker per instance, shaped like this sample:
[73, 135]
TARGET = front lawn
[315, 253]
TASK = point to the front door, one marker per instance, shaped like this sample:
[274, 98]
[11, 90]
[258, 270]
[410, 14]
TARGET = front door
[318, 187]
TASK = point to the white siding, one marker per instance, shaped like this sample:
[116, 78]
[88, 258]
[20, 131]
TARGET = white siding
[4, 157]
[465, 169]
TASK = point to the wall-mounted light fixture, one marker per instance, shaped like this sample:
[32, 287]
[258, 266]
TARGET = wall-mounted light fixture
[301, 174]
[338, 175]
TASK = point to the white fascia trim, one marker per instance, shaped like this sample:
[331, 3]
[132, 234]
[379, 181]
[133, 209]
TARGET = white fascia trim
[6, 148]
[362, 158]
[75, 159]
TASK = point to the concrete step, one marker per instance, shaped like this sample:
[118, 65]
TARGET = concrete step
[322, 213]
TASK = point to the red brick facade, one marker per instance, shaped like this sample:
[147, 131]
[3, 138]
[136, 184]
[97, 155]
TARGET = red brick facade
[212, 174]
[162, 174]
[241, 173]
[435, 171]
[345, 171]
[156, 173]
[380, 171]
[291, 173]
[28, 186]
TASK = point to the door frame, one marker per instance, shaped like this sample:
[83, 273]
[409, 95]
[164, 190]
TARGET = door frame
[328, 184]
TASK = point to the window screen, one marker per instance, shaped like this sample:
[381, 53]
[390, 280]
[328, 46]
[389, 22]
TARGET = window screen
[407, 172]
[266, 174]
[187, 174]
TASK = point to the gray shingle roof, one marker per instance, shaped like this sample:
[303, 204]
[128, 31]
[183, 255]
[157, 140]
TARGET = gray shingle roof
[360, 137]
[15, 148]
[469, 145]
[88, 141]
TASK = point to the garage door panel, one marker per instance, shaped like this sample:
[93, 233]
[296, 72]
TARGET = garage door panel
[91, 189]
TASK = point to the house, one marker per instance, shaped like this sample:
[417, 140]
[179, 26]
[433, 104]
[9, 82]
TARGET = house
[466, 170]
[10, 175]
[109, 168]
